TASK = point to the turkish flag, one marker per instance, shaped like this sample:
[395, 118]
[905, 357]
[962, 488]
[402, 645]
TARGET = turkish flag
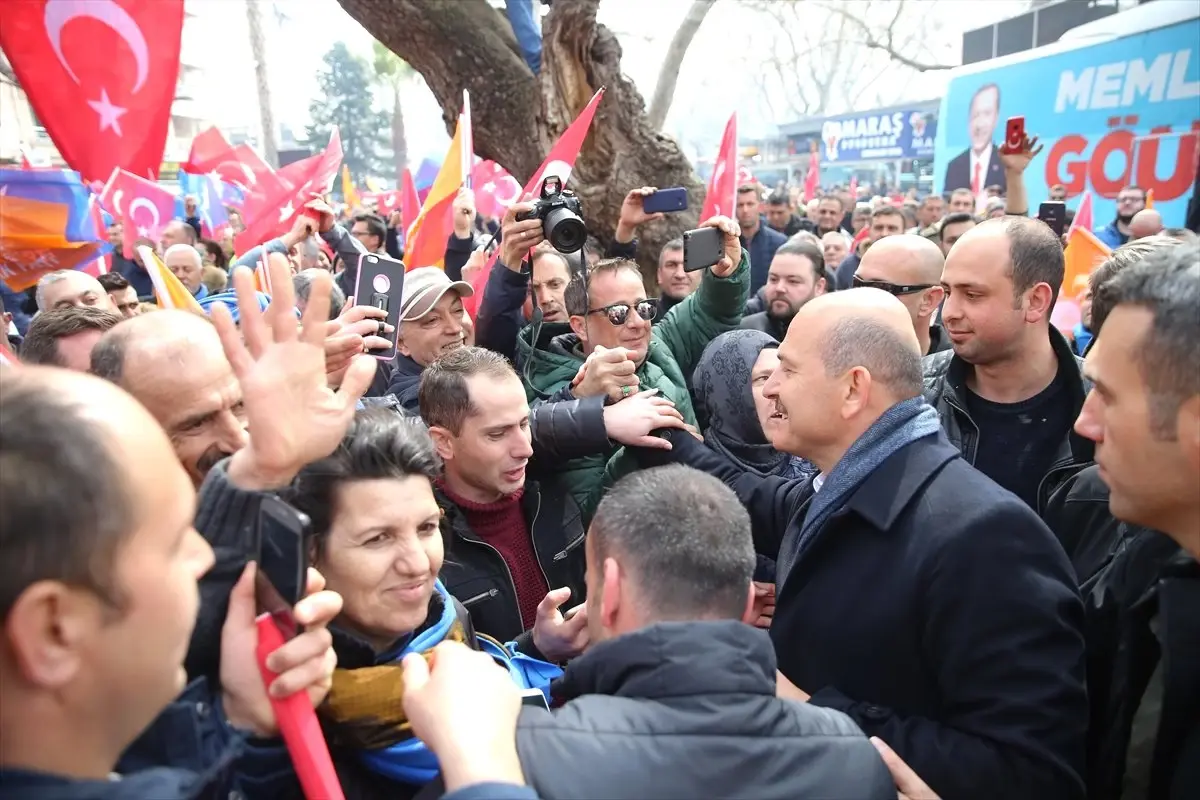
[240, 167]
[143, 207]
[271, 214]
[559, 163]
[812, 180]
[1083, 217]
[100, 75]
[721, 197]
[495, 189]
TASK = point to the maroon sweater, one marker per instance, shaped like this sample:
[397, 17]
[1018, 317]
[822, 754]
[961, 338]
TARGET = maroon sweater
[502, 525]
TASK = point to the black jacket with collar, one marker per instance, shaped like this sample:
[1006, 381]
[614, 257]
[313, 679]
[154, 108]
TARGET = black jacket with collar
[939, 342]
[688, 709]
[478, 577]
[765, 323]
[965, 591]
[946, 389]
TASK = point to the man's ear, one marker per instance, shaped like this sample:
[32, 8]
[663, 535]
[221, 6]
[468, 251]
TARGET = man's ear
[610, 600]
[1041, 299]
[579, 325]
[930, 300]
[47, 630]
[400, 347]
[443, 441]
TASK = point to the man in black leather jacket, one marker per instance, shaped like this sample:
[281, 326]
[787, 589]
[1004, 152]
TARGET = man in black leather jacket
[516, 545]
[1011, 388]
[676, 695]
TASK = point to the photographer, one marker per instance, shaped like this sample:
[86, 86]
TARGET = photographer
[501, 314]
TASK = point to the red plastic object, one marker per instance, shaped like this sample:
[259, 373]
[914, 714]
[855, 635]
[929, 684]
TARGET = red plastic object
[298, 724]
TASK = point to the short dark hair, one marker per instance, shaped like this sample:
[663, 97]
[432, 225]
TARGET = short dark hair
[858, 341]
[807, 250]
[1167, 284]
[954, 219]
[684, 537]
[64, 507]
[41, 342]
[832, 197]
[443, 394]
[1036, 254]
[746, 188]
[217, 253]
[886, 211]
[113, 282]
[108, 356]
[375, 225]
[575, 298]
[379, 444]
[777, 199]
[1122, 258]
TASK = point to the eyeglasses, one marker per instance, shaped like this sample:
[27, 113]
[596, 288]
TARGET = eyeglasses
[618, 313]
[895, 289]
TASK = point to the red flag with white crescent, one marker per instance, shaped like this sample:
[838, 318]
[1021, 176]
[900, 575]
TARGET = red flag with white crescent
[143, 207]
[100, 74]
[721, 197]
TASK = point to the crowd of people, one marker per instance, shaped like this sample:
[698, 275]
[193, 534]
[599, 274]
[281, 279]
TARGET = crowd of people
[841, 516]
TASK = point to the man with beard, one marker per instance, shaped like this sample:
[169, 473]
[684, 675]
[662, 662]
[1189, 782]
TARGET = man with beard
[797, 275]
[1130, 201]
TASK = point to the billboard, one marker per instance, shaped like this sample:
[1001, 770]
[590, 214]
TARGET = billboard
[1119, 112]
[878, 137]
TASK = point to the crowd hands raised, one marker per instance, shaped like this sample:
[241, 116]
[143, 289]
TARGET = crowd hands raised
[757, 521]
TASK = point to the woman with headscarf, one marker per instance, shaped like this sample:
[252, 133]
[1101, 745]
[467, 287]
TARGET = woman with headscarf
[727, 394]
[727, 390]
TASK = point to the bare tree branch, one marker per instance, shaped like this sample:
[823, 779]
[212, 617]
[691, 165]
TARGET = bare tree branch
[668, 74]
[886, 44]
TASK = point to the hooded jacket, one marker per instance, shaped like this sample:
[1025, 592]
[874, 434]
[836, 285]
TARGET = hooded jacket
[549, 356]
[685, 710]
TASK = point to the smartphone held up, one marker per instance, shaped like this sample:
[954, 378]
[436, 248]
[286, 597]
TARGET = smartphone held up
[702, 248]
[381, 284]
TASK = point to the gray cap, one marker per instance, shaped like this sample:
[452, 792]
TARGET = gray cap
[424, 287]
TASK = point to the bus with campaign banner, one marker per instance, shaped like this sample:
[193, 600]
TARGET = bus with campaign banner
[1114, 102]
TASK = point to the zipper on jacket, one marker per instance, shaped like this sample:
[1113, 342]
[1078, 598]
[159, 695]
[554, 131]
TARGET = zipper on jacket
[969, 437]
[559, 556]
[533, 541]
[478, 597]
[511, 582]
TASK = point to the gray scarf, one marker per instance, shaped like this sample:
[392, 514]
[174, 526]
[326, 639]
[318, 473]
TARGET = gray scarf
[896, 428]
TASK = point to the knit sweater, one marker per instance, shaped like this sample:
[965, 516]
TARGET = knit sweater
[502, 525]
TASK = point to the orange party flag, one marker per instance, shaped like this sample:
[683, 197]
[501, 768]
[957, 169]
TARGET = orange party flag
[1083, 254]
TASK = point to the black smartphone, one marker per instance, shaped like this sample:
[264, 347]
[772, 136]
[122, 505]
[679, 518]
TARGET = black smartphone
[282, 557]
[666, 201]
[702, 248]
[1054, 214]
[380, 284]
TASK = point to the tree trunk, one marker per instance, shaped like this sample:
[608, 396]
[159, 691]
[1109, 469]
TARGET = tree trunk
[258, 47]
[668, 74]
[468, 44]
[399, 141]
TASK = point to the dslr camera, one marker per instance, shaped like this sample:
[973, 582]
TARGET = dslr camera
[561, 214]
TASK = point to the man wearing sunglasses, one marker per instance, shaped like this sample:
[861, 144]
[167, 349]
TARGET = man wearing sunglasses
[909, 267]
[612, 348]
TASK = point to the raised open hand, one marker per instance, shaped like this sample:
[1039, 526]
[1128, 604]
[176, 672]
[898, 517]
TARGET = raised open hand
[292, 415]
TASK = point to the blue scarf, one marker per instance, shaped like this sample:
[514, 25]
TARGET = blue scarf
[899, 426]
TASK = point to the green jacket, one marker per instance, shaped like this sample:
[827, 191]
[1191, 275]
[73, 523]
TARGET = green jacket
[549, 356]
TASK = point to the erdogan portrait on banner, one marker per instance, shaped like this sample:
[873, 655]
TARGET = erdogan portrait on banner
[979, 165]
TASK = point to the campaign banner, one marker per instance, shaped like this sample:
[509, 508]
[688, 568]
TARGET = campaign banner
[1108, 114]
[878, 137]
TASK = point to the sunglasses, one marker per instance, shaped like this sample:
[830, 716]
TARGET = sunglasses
[895, 289]
[618, 313]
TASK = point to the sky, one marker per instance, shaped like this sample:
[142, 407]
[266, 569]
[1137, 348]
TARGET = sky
[720, 74]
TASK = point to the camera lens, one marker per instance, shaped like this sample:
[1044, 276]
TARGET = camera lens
[564, 230]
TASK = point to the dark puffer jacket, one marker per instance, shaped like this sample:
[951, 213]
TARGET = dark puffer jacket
[688, 709]
[946, 390]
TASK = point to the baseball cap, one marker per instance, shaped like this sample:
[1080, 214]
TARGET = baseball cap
[424, 287]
